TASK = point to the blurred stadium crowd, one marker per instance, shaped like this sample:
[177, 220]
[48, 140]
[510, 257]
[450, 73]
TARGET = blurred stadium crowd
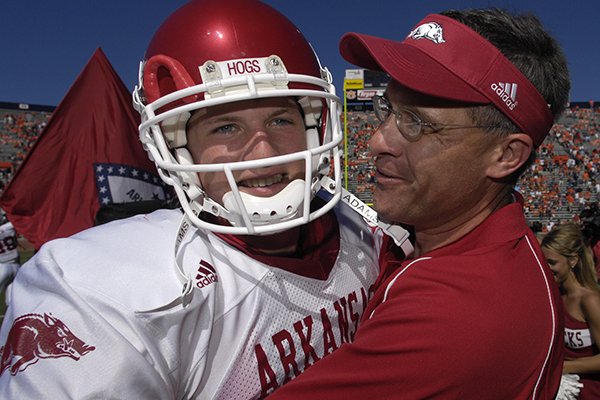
[19, 129]
[561, 184]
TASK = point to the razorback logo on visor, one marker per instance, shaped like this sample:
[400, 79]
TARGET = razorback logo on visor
[35, 336]
[431, 30]
[207, 275]
[507, 92]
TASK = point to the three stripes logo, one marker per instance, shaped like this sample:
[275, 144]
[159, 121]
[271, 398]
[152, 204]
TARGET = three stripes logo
[507, 92]
[207, 275]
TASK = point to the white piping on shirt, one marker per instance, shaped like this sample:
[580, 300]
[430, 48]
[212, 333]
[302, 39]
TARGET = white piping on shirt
[389, 286]
[540, 265]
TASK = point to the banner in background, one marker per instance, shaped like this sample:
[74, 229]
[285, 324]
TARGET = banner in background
[88, 155]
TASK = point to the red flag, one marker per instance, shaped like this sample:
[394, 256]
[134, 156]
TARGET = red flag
[89, 154]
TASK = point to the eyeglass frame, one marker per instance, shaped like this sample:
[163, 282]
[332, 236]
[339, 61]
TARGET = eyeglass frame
[417, 121]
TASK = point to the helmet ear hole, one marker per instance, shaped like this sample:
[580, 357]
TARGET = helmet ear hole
[164, 75]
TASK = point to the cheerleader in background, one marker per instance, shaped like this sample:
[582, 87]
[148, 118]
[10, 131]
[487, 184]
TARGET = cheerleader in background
[572, 263]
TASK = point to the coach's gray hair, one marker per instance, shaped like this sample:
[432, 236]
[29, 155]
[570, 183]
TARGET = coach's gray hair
[524, 41]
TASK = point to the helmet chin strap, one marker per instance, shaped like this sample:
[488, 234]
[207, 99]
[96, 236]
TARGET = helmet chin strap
[396, 232]
[246, 209]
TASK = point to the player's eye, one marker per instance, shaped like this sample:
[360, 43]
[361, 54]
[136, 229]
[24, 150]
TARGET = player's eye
[225, 129]
[281, 122]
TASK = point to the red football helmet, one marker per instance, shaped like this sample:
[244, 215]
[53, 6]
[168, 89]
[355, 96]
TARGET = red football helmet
[209, 53]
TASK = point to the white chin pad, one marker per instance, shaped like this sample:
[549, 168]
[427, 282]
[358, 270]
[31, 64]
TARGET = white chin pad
[265, 210]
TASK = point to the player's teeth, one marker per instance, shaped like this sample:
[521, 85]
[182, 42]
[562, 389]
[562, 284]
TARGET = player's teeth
[261, 182]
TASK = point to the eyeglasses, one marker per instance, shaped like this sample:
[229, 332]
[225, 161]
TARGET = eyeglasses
[409, 124]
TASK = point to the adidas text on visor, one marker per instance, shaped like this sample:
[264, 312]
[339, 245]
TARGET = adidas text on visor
[443, 58]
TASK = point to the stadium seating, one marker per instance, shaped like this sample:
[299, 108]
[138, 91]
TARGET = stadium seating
[558, 186]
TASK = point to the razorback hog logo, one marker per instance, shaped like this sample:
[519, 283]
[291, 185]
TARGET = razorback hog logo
[431, 30]
[35, 336]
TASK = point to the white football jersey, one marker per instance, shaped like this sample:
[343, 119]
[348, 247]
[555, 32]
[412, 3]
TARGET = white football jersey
[101, 314]
[9, 252]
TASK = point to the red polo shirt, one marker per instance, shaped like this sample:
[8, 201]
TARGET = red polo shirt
[480, 318]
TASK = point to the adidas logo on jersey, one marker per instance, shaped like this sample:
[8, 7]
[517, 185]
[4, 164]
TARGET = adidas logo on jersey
[207, 275]
[507, 92]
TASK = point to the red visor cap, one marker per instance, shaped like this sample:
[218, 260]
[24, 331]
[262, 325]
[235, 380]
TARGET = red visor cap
[444, 58]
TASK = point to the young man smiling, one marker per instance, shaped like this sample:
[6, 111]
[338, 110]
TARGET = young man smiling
[259, 277]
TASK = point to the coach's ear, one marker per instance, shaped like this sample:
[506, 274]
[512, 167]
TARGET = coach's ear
[509, 154]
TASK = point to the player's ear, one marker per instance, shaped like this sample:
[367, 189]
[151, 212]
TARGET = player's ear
[509, 154]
